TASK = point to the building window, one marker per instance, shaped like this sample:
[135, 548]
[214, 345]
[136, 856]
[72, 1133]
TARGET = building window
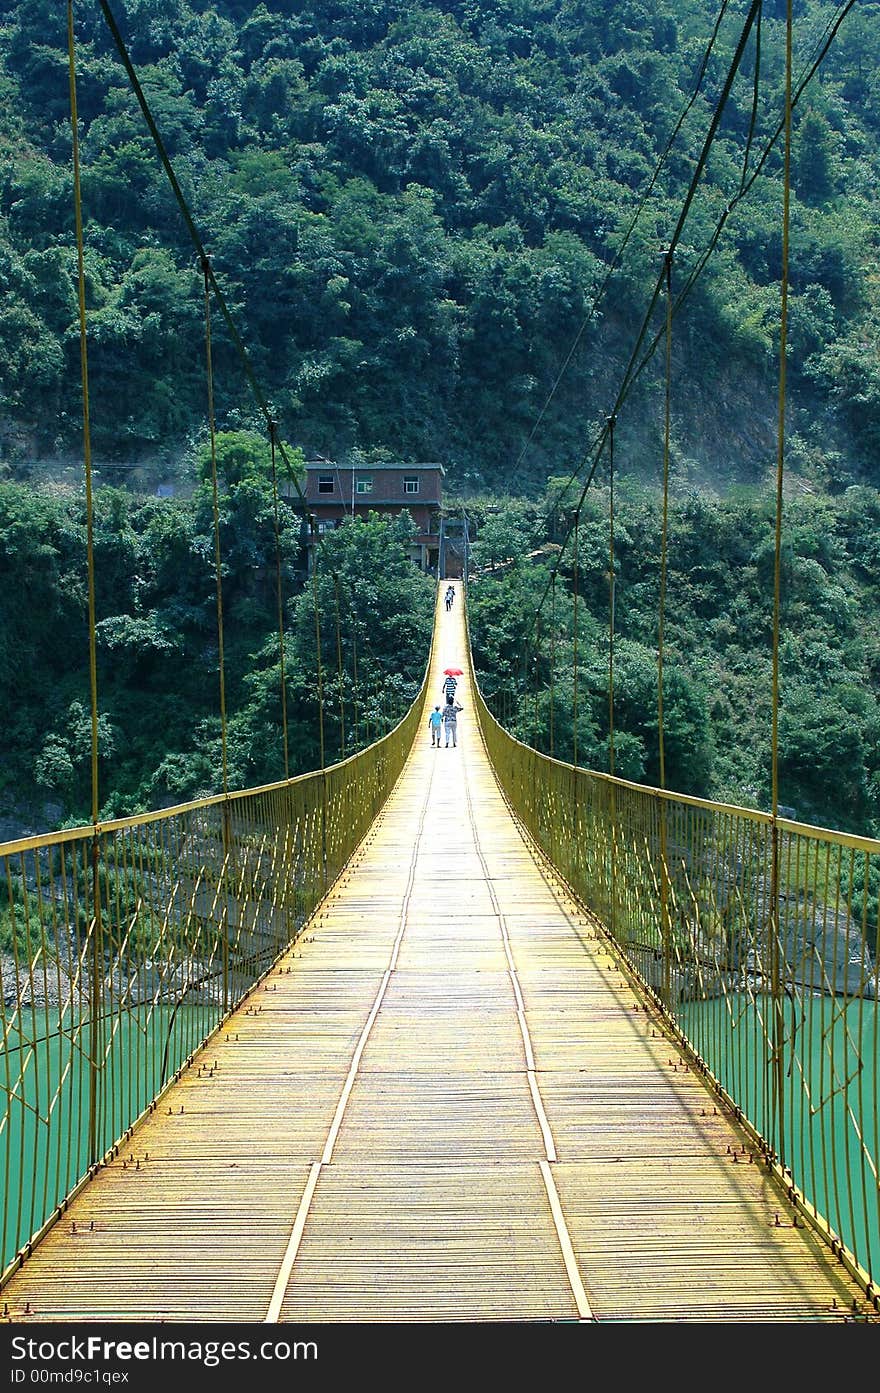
[410, 483]
[325, 483]
[364, 486]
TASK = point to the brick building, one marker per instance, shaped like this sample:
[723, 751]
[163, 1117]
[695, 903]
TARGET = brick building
[335, 491]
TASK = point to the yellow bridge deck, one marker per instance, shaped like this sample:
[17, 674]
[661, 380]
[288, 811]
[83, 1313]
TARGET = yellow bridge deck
[447, 1102]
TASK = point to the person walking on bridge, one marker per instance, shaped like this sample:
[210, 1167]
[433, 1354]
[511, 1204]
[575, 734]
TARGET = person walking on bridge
[449, 685]
[450, 596]
[435, 721]
[450, 720]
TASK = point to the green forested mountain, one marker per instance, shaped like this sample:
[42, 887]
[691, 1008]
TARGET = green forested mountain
[157, 645]
[412, 208]
[437, 227]
[718, 642]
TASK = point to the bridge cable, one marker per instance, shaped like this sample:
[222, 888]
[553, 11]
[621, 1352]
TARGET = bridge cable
[535, 668]
[631, 373]
[695, 178]
[320, 681]
[210, 283]
[318, 661]
[521, 680]
[612, 787]
[216, 511]
[575, 777]
[87, 437]
[94, 849]
[574, 632]
[661, 626]
[611, 597]
[355, 701]
[745, 187]
[662, 807]
[775, 946]
[273, 428]
[746, 183]
[618, 255]
[756, 82]
[193, 232]
[552, 662]
[339, 671]
[204, 260]
[187, 216]
[522, 668]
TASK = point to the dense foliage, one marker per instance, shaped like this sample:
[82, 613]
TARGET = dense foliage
[158, 642]
[717, 643]
[416, 213]
[412, 207]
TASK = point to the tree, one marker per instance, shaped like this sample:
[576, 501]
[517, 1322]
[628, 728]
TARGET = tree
[245, 455]
[503, 538]
[64, 764]
[813, 161]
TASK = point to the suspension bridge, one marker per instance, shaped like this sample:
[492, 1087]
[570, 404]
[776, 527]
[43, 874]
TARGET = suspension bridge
[450, 1098]
[441, 1034]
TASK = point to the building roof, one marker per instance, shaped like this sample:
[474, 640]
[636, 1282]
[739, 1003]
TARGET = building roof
[328, 466]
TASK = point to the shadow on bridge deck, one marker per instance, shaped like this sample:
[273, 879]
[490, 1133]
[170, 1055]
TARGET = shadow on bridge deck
[447, 1102]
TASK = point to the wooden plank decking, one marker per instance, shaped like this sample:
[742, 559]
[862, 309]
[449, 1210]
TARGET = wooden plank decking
[445, 1103]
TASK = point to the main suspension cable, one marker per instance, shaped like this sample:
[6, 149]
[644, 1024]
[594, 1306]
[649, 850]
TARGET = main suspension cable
[746, 184]
[632, 370]
[193, 232]
[208, 271]
[618, 255]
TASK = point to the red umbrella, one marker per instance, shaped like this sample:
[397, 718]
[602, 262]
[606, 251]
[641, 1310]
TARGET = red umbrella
[453, 672]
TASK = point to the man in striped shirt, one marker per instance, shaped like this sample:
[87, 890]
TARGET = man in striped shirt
[449, 686]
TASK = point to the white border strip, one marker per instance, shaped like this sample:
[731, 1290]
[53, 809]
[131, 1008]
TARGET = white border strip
[585, 1310]
[283, 1278]
[280, 1288]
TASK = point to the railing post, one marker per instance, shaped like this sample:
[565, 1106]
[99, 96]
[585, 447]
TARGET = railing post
[612, 833]
[224, 918]
[325, 879]
[95, 1001]
[575, 827]
[665, 928]
[777, 989]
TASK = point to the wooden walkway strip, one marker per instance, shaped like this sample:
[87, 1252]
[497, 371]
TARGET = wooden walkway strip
[549, 1144]
[585, 1311]
[447, 1102]
[299, 1224]
[327, 1155]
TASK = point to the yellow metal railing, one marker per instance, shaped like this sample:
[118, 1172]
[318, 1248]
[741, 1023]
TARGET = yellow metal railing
[103, 1004]
[776, 995]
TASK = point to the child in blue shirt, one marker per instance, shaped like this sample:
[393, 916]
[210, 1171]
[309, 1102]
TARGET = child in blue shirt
[435, 720]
